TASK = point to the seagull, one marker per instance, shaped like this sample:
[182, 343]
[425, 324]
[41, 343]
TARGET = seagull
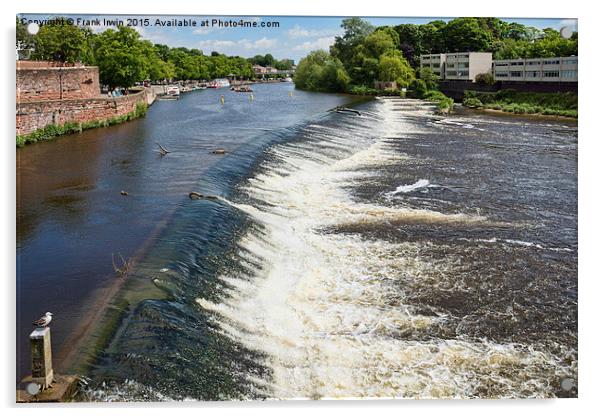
[44, 320]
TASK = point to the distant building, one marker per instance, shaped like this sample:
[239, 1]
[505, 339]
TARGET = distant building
[559, 69]
[434, 62]
[385, 85]
[465, 66]
[259, 70]
[460, 66]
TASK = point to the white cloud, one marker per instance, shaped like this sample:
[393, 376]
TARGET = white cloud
[237, 47]
[300, 32]
[320, 43]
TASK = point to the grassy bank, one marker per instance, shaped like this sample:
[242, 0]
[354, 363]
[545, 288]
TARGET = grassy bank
[51, 131]
[510, 101]
[444, 103]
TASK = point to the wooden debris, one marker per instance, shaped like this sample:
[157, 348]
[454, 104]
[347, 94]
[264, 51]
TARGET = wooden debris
[162, 151]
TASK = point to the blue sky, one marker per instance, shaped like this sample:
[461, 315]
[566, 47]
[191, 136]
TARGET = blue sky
[293, 38]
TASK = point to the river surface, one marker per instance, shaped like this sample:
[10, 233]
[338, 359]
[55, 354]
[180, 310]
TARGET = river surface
[392, 254]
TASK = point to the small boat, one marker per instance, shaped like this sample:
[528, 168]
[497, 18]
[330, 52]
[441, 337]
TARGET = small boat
[242, 88]
[219, 83]
[173, 91]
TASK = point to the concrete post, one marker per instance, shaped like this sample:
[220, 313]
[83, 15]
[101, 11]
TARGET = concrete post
[41, 357]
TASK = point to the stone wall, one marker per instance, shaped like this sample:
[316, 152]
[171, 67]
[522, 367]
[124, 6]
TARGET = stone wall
[57, 93]
[35, 115]
[39, 81]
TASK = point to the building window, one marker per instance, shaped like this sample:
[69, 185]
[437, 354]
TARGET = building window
[551, 62]
[451, 65]
[463, 65]
[569, 74]
[501, 64]
[517, 63]
[516, 74]
[570, 61]
[501, 74]
[426, 65]
[463, 73]
[551, 74]
[532, 74]
[533, 62]
[437, 73]
[451, 73]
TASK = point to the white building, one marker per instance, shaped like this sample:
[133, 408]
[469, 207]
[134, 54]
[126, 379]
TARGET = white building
[462, 66]
[559, 69]
[434, 62]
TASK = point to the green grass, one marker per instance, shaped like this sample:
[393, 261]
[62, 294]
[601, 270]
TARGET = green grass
[510, 101]
[51, 131]
[444, 103]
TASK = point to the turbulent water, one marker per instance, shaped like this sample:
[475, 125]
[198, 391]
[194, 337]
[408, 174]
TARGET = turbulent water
[392, 254]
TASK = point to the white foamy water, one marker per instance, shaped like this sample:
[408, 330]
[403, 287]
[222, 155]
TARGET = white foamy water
[404, 189]
[327, 310]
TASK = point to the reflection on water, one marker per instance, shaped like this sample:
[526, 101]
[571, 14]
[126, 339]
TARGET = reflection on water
[71, 216]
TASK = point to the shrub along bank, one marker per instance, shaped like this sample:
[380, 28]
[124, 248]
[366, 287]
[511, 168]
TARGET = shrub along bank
[51, 131]
[511, 101]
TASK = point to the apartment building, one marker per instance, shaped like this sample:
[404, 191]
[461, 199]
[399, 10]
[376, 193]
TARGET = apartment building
[462, 66]
[465, 66]
[434, 62]
[559, 69]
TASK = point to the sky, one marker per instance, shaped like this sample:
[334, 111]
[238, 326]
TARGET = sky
[293, 38]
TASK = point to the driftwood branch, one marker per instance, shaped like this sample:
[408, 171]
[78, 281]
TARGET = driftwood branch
[125, 268]
[163, 151]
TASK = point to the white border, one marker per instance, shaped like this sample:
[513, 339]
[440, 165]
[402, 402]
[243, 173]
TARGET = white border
[590, 158]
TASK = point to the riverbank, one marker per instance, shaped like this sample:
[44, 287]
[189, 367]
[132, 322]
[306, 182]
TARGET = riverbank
[69, 194]
[44, 120]
[509, 101]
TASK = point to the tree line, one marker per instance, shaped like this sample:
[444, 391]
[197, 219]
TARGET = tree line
[124, 58]
[364, 54]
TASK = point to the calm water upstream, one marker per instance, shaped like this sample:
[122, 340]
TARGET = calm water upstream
[71, 216]
[391, 254]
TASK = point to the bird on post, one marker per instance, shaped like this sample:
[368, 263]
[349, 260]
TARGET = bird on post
[43, 321]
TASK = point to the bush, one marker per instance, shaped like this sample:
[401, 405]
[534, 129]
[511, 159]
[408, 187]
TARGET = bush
[565, 104]
[472, 102]
[419, 87]
[444, 103]
[363, 90]
[53, 130]
[485, 78]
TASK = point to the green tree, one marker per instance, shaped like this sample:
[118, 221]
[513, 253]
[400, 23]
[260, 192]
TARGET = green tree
[319, 71]
[24, 38]
[59, 42]
[431, 81]
[394, 67]
[120, 56]
[466, 34]
[355, 30]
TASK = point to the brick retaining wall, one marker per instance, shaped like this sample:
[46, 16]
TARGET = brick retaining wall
[43, 82]
[35, 115]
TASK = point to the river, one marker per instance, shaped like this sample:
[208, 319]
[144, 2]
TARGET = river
[392, 254]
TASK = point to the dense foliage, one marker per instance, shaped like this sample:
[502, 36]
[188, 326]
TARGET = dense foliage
[321, 72]
[558, 104]
[124, 58]
[389, 53]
